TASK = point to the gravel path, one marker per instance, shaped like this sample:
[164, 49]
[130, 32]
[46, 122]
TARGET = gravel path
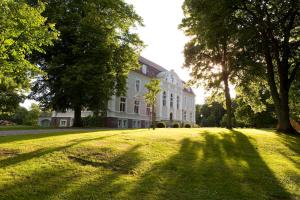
[40, 131]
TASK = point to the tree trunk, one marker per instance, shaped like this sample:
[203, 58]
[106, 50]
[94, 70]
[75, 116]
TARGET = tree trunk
[228, 102]
[77, 117]
[281, 99]
[284, 124]
[226, 89]
[153, 117]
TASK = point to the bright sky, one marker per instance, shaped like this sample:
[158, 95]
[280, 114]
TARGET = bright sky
[165, 42]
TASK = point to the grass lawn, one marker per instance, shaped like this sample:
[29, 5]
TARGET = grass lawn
[141, 164]
[21, 127]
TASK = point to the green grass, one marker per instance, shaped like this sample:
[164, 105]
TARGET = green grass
[21, 127]
[144, 164]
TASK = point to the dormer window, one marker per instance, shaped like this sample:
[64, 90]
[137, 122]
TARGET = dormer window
[144, 69]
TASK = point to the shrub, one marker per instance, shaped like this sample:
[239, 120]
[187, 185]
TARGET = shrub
[176, 125]
[93, 121]
[196, 126]
[161, 125]
[187, 126]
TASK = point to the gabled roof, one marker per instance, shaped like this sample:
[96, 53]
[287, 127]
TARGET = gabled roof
[154, 69]
[151, 64]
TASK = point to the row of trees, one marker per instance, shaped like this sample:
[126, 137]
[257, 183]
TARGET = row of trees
[78, 52]
[23, 116]
[251, 44]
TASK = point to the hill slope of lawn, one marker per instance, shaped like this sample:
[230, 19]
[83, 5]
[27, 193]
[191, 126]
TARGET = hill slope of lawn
[145, 164]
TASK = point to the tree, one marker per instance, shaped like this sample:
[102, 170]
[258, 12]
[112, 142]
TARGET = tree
[269, 38]
[209, 114]
[23, 30]
[210, 51]
[153, 89]
[90, 62]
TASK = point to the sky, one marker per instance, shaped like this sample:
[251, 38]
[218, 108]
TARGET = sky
[164, 41]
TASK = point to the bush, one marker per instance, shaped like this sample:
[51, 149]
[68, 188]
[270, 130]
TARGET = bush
[161, 125]
[196, 126]
[93, 121]
[187, 126]
[176, 125]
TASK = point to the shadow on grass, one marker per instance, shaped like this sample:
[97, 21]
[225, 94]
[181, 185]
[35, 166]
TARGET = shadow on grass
[65, 184]
[20, 138]
[18, 158]
[224, 166]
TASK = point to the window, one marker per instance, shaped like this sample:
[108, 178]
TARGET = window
[191, 116]
[63, 123]
[138, 124]
[184, 115]
[178, 101]
[137, 85]
[164, 98]
[144, 69]
[133, 124]
[124, 123]
[136, 106]
[148, 109]
[122, 104]
[120, 123]
[171, 101]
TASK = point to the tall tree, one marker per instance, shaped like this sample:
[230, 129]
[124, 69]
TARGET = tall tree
[153, 89]
[91, 60]
[23, 30]
[211, 46]
[269, 36]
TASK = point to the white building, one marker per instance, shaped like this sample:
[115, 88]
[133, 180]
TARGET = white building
[175, 103]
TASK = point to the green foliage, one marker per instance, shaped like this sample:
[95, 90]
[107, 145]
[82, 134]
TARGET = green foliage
[93, 57]
[246, 116]
[93, 121]
[23, 30]
[153, 88]
[22, 116]
[187, 126]
[223, 122]
[176, 125]
[210, 53]
[161, 125]
[295, 100]
[210, 114]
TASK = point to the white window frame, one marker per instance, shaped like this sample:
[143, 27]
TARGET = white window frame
[171, 100]
[144, 69]
[137, 85]
[63, 120]
[164, 98]
[123, 103]
[184, 115]
[148, 109]
[136, 108]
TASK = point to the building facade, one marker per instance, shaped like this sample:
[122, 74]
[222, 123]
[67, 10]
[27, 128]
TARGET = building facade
[175, 103]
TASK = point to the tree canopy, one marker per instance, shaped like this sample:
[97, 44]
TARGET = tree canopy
[23, 30]
[261, 40]
[153, 88]
[91, 60]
